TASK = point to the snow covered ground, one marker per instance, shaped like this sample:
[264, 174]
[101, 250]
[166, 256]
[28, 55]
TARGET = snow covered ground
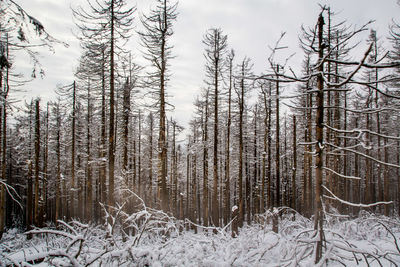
[155, 239]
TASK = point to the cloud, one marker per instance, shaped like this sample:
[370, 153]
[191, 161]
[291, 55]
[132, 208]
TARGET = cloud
[251, 26]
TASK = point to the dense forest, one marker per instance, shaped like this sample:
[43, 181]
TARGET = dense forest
[107, 149]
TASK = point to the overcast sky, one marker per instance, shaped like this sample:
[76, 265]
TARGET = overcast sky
[251, 26]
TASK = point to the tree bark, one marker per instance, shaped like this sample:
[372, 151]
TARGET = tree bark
[228, 141]
[205, 163]
[111, 136]
[215, 204]
[103, 190]
[294, 169]
[89, 201]
[73, 137]
[240, 171]
[37, 160]
[319, 120]
[126, 111]
[58, 212]
[277, 147]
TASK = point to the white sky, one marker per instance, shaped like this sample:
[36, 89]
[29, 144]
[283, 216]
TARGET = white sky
[251, 26]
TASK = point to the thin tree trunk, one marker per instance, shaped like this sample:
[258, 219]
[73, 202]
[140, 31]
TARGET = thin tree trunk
[194, 180]
[228, 141]
[134, 155]
[111, 137]
[73, 133]
[126, 109]
[357, 191]
[277, 147]
[151, 158]
[275, 218]
[255, 190]
[367, 197]
[188, 211]
[3, 123]
[240, 181]
[247, 208]
[215, 205]
[37, 160]
[269, 155]
[174, 171]
[103, 191]
[2, 187]
[58, 156]
[309, 187]
[285, 181]
[294, 169]
[44, 210]
[29, 193]
[162, 144]
[398, 173]
[29, 200]
[386, 196]
[319, 120]
[264, 157]
[4, 177]
[139, 186]
[205, 164]
[79, 183]
[347, 184]
[89, 201]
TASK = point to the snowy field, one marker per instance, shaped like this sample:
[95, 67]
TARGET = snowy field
[151, 238]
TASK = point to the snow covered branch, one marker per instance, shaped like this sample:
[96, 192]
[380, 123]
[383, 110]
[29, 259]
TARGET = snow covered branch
[360, 205]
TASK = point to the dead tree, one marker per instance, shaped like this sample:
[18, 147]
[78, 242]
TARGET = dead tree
[216, 44]
[155, 39]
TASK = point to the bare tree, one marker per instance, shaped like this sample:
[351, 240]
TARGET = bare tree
[109, 23]
[156, 40]
[216, 45]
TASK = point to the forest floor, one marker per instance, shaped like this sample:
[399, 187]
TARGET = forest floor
[152, 238]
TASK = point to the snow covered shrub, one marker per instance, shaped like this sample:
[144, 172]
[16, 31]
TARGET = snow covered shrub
[149, 237]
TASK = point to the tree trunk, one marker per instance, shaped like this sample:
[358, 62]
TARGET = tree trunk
[255, 191]
[139, 180]
[240, 172]
[103, 191]
[111, 136]
[2, 187]
[73, 130]
[89, 201]
[37, 160]
[264, 157]
[228, 141]
[29, 200]
[126, 111]
[44, 210]
[269, 155]
[318, 220]
[294, 169]
[151, 158]
[162, 143]
[4, 177]
[367, 197]
[275, 219]
[386, 196]
[398, 173]
[174, 171]
[194, 179]
[205, 164]
[79, 183]
[357, 190]
[215, 205]
[58, 212]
